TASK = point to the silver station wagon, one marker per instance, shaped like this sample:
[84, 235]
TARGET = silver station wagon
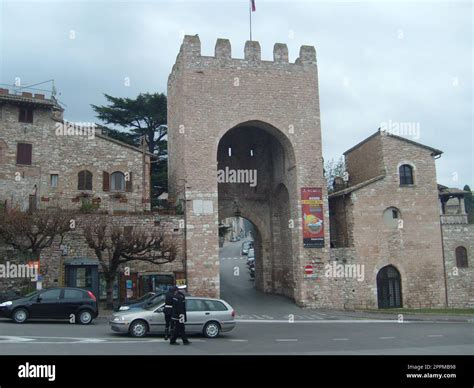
[206, 316]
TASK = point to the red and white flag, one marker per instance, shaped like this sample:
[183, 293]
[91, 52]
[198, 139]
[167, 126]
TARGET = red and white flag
[252, 2]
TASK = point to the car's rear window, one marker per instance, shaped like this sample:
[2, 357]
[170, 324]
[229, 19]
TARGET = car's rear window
[214, 305]
[73, 294]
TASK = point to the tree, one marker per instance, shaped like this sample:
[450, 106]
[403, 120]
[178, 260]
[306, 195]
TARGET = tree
[469, 204]
[115, 246]
[145, 116]
[332, 169]
[33, 232]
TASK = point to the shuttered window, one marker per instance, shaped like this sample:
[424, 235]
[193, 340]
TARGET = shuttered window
[26, 115]
[461, 257]
[117, 181]
[84, 180]
[23, 153]
[106, 181]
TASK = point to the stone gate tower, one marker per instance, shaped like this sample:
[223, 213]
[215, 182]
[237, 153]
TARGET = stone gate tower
[247, 114]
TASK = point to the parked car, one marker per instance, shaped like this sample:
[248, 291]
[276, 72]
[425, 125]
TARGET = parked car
[206, 316]
[9, 295]
[53, 303]
[246, 245]
[149, 297]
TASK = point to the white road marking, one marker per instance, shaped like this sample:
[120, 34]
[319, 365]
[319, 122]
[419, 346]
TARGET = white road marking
[286, 340]
[386, 337]
[239, 340]
[435, 335]
[340, 339]
[318, 321]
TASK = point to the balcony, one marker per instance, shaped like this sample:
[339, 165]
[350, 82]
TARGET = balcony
[451, 219]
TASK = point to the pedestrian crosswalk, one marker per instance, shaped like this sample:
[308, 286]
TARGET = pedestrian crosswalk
[233, 258]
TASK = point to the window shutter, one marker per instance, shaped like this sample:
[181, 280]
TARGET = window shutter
[106, 181]
[88, 180]
[80, 180]
[129, 184]
[23, 153]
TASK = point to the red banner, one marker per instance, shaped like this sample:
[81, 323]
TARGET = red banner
[313, 217]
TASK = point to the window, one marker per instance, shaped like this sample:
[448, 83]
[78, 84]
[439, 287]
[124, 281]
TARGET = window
[117, 181]
[26, 115]
[392, 217]
[195, 305]
[54, 180]
[461, 257]
[23, 153]
[406, 174]
[214, 305]
[84, 180]
[51, 294]
[73, 294]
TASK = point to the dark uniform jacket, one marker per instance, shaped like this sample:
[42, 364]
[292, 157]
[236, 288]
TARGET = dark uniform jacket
[179, 307]
[168, 303]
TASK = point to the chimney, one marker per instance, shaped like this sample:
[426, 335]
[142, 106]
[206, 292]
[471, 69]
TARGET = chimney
[26, 94]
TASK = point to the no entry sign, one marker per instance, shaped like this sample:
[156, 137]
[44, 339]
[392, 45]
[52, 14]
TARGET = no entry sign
[308, 270]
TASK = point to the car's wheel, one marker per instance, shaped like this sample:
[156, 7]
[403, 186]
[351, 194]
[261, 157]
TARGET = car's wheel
[138, 329]
[20, 315]
[212, 330]
[84, 317]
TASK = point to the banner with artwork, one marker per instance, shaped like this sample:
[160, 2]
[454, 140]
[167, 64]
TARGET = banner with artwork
[313, 217]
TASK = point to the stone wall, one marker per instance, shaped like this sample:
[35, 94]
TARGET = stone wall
[65, 156]
[414, 247]
[460, 281]
[74, 245]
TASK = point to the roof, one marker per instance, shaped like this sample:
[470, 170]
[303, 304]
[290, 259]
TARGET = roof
[358, 186]
[450, 191]
[434, 151]
[28, 98]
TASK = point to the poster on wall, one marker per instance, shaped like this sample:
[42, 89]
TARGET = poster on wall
[313, 217]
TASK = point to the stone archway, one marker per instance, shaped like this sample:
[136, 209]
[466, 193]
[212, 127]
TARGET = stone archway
[255, 168]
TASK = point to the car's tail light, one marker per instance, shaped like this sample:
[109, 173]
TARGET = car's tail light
[233, 314]
[92, 296]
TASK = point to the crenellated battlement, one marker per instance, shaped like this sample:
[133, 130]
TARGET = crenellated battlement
[190, 54]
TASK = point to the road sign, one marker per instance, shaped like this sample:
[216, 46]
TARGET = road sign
[308, 270]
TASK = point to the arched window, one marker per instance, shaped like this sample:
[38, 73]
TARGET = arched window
[392, 217]
[84, 180]
[406, 174]
[117, 181]
[461, 257]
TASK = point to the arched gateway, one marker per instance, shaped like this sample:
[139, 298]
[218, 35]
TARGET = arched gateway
[245, 137]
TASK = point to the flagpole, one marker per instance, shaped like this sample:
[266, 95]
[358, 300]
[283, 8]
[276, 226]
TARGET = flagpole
[250, 17]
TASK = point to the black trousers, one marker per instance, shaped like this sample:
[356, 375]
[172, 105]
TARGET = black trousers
[178, 330]
[167, 321]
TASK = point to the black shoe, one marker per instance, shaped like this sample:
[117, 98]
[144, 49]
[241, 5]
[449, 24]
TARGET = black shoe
[186, 342]
[174, 343]
[166, 338]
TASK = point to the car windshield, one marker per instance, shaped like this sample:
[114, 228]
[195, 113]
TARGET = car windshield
[155, 303]
[145, 297]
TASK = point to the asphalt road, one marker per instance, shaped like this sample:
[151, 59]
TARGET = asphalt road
[267, 324]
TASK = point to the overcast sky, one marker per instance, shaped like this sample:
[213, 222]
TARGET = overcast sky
[378, 62]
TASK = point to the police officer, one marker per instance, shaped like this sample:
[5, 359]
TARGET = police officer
[178, 316]
[167, 310]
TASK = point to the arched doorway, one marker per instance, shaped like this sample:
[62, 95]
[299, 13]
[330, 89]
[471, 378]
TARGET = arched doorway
[256, 166]
[389, 288]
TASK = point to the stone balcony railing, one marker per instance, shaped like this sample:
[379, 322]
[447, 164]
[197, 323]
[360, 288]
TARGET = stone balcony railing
[449, 219]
